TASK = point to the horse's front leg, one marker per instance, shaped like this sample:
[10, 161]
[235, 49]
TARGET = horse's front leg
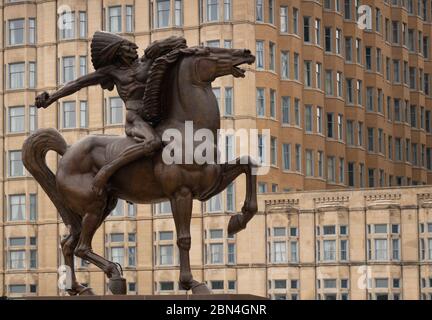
[229, 172]
[181, 204]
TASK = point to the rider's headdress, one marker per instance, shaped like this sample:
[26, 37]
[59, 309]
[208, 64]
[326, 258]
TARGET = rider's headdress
[104, 48]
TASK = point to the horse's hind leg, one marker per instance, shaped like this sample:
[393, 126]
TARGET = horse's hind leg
[181, 204]
[68, 246]
[84, 250]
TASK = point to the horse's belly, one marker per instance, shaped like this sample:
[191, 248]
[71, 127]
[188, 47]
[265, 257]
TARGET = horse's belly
[136, 183]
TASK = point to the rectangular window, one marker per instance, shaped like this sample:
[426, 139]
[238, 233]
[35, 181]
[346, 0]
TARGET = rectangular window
[16, 167]
[296, 66]
[351, 174]
[349, 91]
[259, 55]
[16, 119]
[273, 151]
[380, 249]
[32, 31]
[68, 25]
[33, 122]
[115, 18]
[338, 41]
[330, 125]
[17, 208]
[348, 49]
[318, 31]
[286, 153]
[320, 156]
[16, 32]
[272, 53]
[331, 171]
[83, 24]
[16, 75]
[307, 73]
[295, 20]
[285, 65]
[298, 157]
[68, 69]
[69, 114]
[371, 177]
[32, 75]
[83, 114]
[284, 19]
[308, 118]
[318, 68]
[260, 101]
[329, 247]
[306, 29]
[115, 111]
[329, 82]
[228, 101]
[83, 65]
[309, 163]
[259, 10]
[328, 39]
[227, 9]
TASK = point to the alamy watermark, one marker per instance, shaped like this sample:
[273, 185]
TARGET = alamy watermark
[364, 20]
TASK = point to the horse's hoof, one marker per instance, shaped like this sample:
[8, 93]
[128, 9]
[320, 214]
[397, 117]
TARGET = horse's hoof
[200, 288]
[235, 224]
[117, 285]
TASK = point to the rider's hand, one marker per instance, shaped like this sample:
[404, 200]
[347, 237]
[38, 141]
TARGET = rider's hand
[42, 100]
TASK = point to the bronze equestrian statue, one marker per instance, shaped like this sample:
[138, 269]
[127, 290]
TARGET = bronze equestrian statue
[174, 83]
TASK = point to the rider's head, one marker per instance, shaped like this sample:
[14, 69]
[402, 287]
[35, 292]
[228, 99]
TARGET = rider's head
[108, 48]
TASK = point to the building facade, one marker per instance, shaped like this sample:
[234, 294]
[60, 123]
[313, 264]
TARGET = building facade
[347, 105]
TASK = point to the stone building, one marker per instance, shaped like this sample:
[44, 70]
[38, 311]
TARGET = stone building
[346, 106]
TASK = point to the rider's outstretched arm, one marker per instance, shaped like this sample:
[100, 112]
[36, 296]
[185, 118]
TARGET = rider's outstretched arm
[44, 99]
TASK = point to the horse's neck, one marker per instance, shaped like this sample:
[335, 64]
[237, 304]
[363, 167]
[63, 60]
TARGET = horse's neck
[187, 101]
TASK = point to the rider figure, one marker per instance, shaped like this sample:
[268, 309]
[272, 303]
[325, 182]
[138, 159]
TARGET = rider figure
[116, 63]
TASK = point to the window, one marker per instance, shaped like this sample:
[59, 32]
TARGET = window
[338, 41]
[228, 101]
[16, 75]
[283, 19]
[83, 114]
[318, 69]
[68, 69]
[17, 207]
[330, 124]
[83, 65]
[260, 102]
[371, 177]
[329, 247]
[227, 9]
[307, 73]
[69, 114]
[216, 253]
[395, 32]
[328, 39]
[308, 118]
[115, 18]
[16, 31]
[297, 112]
[349, 91]
[317, 31]
[16, 119]
[83, 24]
[380, 249]
[273, 151]
[331, 172]
[33, 123]
[298, 157]
[350, 132]
[328, 82]
[341, 170]
[260, 54]
[371, 139]
[339, 84]
[351, 174]
[320, 156]
[286, 153]
[306, 29]
[16, 259]
[309, 163]
[16, 168]
[32, 31]
[284, 65]
[368, 58]
[344, 250]
[279, 252]
[340, 127]
[358, 50]
[295, 20]
[166, 254]
[115, 111]
[319, 120]
[296, 66]
[259, 10]
[272, 53]
[67, 30]
[369, 99]
[396, 71]
[348, 49]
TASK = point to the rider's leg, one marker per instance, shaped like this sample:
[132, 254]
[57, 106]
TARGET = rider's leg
[142, 132]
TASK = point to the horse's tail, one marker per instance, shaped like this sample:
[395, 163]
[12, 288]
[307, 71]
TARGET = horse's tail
[34, 150]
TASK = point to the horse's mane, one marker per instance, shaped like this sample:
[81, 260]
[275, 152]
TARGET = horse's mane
[152, 109]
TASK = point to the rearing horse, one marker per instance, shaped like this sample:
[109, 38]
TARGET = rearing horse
[186, 96]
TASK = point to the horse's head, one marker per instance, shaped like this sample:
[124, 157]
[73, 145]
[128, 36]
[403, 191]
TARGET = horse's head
[211, 63]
